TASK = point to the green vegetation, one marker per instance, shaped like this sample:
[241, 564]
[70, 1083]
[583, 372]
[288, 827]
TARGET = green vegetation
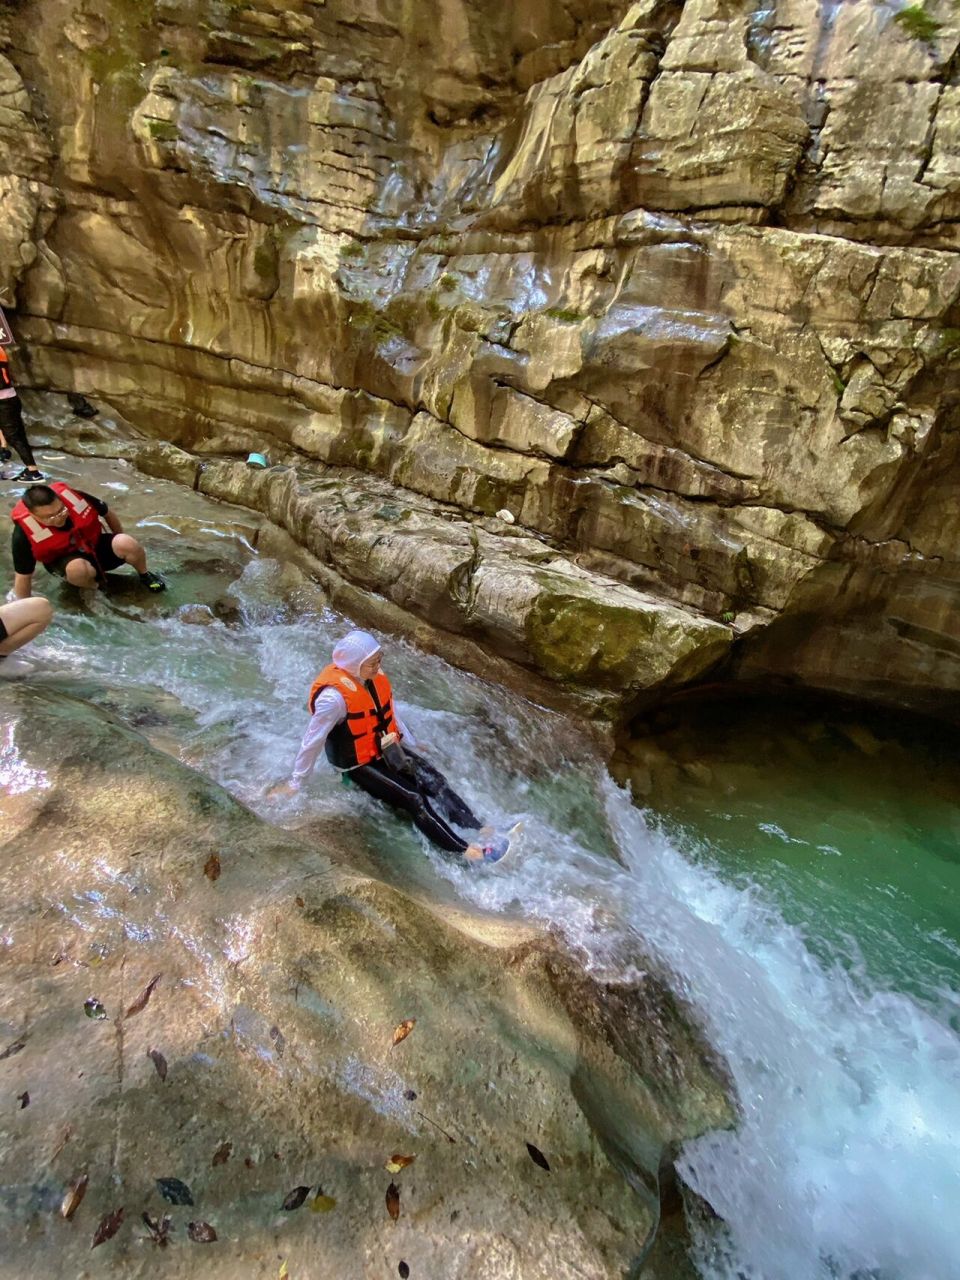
[728, 616]
[838, 383]
[917, 23]
[163, 130]
[352, 250]
[447, 281]
[564, 315]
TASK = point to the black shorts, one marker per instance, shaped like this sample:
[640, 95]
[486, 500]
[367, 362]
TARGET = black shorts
[3, 632]
[106, 558]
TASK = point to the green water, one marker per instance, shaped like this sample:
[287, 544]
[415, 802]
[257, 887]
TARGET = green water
[846, 819]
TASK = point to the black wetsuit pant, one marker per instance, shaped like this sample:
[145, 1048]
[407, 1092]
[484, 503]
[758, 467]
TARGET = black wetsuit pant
[424, 793]
[11, 424]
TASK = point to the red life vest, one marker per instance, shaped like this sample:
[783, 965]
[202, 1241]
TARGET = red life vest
[49, 544]
[6, 381]
[356, 740]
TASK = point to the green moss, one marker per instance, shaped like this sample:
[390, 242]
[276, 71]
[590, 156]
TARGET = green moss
[447, 281]
[163, 130]
[265, 258]
[432, 304]
[917, 23]
[352, 250]
[838, 383]
[564, 315]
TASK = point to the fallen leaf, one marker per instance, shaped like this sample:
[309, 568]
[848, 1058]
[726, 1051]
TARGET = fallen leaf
[322, 1204]
[276, 1035]
[65, 1138]
[295, 1198]
[299, 901]
[201, 1232]
[109, 1226]
[284, 1273]
[211, 868]
[159, 1061]
[404, 1270]
[404, 1029]
[393, 1201]
[222, 1153]
[396, 1163]
[74, 1194]
[410, 1095]
[537, 1156]
[159, 1228]
[143, 998]
[23, 1099]
[174, 1191]
[12, 1049]
[93, 1008]
[248, 1162]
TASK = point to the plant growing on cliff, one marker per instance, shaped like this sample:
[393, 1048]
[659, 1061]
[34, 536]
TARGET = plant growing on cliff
[917, 23]
[564, 315]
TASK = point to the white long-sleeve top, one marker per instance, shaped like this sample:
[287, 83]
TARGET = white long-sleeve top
[329, 710]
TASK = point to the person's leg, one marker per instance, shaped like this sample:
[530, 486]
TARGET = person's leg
[79, 572]
[129, 551]
[432, 782]
[382, 783]
[11, 420]
[120, 548]
[22, 621]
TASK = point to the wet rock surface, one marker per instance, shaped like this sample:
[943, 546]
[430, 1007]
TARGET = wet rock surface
[264, 1058]
[672, 284]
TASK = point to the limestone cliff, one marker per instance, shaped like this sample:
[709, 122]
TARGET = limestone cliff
[673, 284]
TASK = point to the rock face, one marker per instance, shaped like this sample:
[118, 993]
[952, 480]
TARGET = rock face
[281, 981]
[675, 285]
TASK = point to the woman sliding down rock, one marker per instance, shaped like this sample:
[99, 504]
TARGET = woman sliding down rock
[62, 529]
[354, 720]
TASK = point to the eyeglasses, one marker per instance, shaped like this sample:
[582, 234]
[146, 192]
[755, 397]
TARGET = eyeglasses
[53, 517]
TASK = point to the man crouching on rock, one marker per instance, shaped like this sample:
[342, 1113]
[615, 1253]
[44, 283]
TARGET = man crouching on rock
[63, 529]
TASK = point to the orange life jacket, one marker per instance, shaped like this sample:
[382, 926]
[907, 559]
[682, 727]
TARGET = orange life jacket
[356, 740]
[6, 381]
[49, 544]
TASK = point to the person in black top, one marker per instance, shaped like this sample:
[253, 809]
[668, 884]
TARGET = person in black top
[11, 424]
[62, 529]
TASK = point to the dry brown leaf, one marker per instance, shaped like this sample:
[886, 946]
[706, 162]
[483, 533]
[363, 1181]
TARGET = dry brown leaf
[393, 1201]
[404, 1029]
[109, 1226]
[295, 1198]
[222, 1153]
[211, 868]
[12, 1049]
[143, 998]
[403, 1270]
[284, 1273]
[537, 1156]
[159, 1061]
[396, 1163]
[23, 1099]
[201, 1232]
[159, 1228]
[74, 1194]
[64, 1139]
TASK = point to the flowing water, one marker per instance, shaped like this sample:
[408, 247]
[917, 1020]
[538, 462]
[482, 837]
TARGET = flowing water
[808, 900]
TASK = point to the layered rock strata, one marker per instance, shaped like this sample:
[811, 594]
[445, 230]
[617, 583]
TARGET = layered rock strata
[674, 285]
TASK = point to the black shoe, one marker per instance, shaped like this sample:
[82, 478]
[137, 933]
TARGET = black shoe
[30, 474]
[5, 455]
[152, 581]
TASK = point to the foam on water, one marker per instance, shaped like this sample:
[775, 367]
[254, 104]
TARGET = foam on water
[846, 1163]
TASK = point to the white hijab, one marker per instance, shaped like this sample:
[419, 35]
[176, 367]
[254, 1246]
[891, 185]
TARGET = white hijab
[353, 649]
